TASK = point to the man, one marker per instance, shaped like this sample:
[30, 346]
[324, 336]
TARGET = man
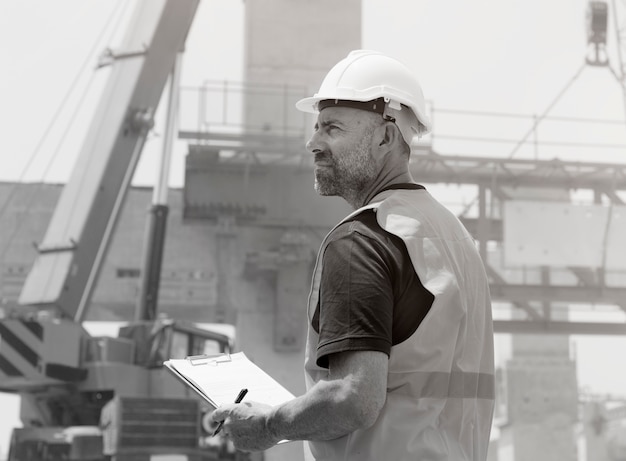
[399, 360]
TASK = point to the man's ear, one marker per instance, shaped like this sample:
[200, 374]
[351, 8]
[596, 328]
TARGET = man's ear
[391, 134]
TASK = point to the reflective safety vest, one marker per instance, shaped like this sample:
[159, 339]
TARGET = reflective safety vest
[440, 384]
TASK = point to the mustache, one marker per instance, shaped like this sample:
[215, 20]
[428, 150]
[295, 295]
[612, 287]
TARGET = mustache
[323, 156]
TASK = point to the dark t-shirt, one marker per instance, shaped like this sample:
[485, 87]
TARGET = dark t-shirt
[370, 296]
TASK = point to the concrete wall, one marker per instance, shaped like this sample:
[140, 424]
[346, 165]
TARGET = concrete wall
[189, 275]
[289, 47]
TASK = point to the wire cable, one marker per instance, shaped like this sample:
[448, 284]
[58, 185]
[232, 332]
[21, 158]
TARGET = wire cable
[559, 118]
[37, 188]
[548, 109]
[451, 137]
[42, 139]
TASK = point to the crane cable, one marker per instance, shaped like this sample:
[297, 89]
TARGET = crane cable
[117, 11]
[548, 109]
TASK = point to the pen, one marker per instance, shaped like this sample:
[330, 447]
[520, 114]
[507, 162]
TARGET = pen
[242, 394]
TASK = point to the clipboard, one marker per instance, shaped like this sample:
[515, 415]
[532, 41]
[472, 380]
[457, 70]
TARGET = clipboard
[218, 379]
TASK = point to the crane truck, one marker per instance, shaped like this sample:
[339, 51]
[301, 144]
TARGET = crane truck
[107, 398]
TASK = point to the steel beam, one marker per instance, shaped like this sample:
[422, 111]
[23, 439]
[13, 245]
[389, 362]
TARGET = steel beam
[503, 172]
[558, 328]
[518, 293]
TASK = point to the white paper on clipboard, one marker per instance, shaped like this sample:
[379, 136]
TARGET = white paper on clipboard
[219, 378]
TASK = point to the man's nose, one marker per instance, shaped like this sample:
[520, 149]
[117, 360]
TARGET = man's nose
[312, 144]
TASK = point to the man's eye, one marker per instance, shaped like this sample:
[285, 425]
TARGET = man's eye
[325, 127]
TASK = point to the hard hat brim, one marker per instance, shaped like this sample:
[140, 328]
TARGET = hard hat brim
[309, 105]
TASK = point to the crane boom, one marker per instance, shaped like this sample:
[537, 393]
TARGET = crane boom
[85, 397]
[70, 256]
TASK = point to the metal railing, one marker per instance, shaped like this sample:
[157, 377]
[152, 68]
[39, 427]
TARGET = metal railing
[245, 108]
[263, 109]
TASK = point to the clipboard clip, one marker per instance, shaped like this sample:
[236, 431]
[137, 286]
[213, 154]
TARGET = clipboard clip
[208, 359]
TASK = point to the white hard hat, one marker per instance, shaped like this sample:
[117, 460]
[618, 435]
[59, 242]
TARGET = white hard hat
[373, 78]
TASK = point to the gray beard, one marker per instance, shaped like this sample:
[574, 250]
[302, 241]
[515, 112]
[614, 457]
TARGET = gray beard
[350, 175]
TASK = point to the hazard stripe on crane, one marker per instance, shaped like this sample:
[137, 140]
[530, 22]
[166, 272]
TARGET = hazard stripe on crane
[20, 346]
[7, 368]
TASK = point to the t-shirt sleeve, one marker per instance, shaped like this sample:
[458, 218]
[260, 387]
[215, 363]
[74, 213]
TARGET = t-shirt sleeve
[356, 298]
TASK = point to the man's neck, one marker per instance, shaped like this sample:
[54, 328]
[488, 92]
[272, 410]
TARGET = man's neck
[378, 188]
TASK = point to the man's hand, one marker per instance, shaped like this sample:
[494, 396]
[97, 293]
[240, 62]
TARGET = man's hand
[246, 424]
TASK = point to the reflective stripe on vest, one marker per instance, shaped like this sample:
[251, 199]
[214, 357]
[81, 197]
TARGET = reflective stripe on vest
[441, 385]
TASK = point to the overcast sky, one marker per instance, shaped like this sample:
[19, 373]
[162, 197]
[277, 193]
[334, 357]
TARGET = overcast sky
[485, 55]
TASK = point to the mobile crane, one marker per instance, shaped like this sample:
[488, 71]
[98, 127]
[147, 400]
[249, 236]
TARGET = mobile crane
[96, 398]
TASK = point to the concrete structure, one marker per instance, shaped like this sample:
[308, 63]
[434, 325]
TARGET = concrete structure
[542, 399]
[282, 73]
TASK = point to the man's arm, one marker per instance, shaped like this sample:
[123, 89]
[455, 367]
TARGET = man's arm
[350, 399]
